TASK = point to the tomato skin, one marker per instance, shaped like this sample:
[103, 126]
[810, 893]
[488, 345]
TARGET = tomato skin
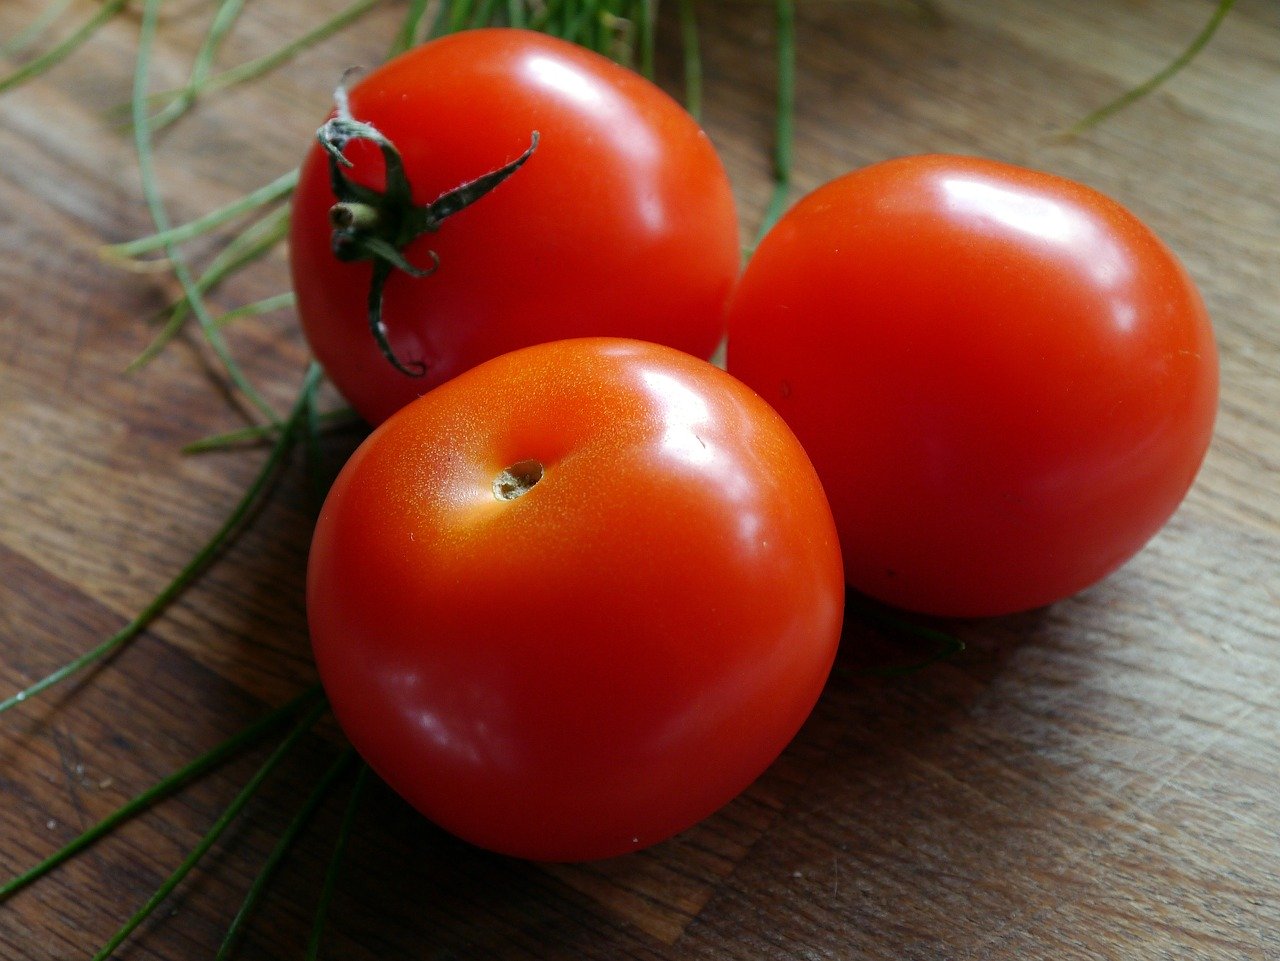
[622, 223]
[1005, 380]
[597, 664]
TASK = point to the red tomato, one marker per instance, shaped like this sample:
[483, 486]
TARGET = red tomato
[577, 598]
[1006, 382]
[620, 223]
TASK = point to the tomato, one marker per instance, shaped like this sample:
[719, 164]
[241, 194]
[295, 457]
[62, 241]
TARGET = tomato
[577, 598]
[1005, 380]
[620, 222]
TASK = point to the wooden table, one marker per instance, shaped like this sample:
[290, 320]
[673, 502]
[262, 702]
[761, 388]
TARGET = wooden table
[1095, 780]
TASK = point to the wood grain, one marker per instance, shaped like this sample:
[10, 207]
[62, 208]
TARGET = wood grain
[1100, 779]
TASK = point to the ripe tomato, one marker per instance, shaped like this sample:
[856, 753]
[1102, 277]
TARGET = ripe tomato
[1006, 382]
[620, 223]
[577, 598]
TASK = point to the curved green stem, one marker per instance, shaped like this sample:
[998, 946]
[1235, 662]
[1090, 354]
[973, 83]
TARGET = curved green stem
[224, 19]
[784, 133]
[278, 189]
[692, 58]
[194, 567]
[161, 790]
[267, 63]
[410, 28]
[66, 48]
[1137, 93]
[29, 34]
[328, 421]
[258, 307]
[252, 243]
[282, 846]
[335, 865]
[160, 217]
[224, 820]
[646, 34]
[516, 14]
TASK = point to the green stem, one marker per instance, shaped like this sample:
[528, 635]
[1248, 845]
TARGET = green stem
[29, 34]
[253, 242]
[578, 24]
[224, 19]
[1137, 93]
[314, 454]
[410, 27]
[194, 567]
[646, 37]
[253, 69]
[161, 790]
[484, 13]
[329, 420]
[267, 63]
[279, 188]
[285, 842]
[224, 820]
[257, 308]
[160, 217]
[784, 121]
[335, 864]
[459, 14]
[57, 54]
[692, 58]
[439, 23]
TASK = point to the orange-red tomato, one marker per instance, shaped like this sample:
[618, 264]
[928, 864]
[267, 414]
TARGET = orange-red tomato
[1005, 380]
[620, 223]
[577, 598]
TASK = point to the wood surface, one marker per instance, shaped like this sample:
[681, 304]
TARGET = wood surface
[1095, 780]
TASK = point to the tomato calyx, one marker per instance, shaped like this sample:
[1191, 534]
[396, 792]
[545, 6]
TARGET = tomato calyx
[378, 225]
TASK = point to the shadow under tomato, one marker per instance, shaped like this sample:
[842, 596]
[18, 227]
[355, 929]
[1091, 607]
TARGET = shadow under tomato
[949, 789]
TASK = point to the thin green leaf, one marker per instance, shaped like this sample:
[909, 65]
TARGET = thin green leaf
[692, 58]
[646, 34]
[282, 846]
[279, 188]
[257, 308]
[224, 19]
[576, 23]
[1137, 93]
[784, 117]
[311, 430]
[484, 14]
[194, 567]
[410, 28]
[34, 30]
[439, 25]
[162, 789]
[224, 820]
[66, 48]
[265, 64]
[160, 217]
[253, 242]
[252, 69]
[459, 14]
[335, 865]
[544, 16]
[328, 421]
